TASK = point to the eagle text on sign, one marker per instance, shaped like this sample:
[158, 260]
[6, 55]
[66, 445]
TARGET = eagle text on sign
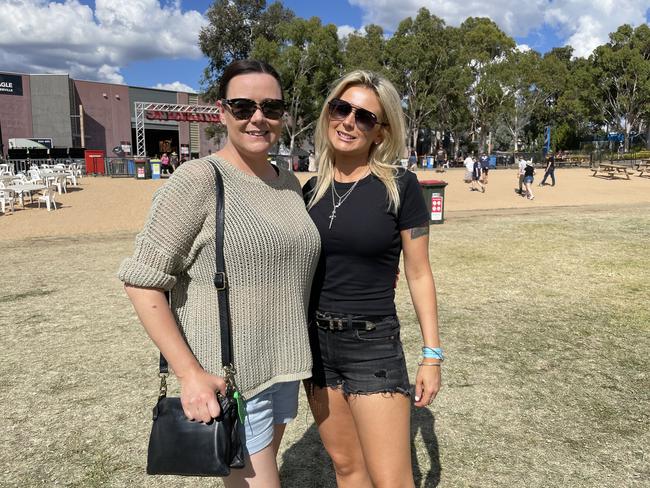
[11, 85]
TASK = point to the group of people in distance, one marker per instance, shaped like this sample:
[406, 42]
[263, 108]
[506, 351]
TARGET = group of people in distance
[311, 278]
[527, 173]
[476, 171]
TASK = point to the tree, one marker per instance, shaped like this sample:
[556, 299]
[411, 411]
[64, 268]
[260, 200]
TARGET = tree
[417, 56]
[308, 57]
[234, 26]
[484, 45]
[366, 51]
[520, 78]
[621, 75]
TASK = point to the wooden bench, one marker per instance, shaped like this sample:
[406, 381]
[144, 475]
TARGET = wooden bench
[611, 170]
[643, 167]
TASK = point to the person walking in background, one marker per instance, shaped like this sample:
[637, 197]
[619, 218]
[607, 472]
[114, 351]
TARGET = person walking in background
[549, 171]
[368, 211]
[173, 161]
[469, 169]
[413, 160]
[271, 250]
[165, 167]
[485, 168]
[521, 171]
[441, 159]
[476, 177]
[529, 172]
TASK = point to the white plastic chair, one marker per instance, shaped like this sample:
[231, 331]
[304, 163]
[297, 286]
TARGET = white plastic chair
[35, 176]
[72, 176]
[48, 197]
[61, 183]
[7, 200]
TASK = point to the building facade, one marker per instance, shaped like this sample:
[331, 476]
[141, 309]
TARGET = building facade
[94, 115]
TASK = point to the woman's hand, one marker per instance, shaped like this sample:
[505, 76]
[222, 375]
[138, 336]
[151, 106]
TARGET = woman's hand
[198, 395]
[427, 384]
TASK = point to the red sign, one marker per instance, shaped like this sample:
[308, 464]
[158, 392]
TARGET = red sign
[436, 206]
[181, 116]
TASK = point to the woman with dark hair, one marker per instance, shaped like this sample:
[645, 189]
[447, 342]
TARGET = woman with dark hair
[368, 212]
[271, 248]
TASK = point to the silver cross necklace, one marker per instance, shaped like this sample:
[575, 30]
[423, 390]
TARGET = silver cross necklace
[342, 198]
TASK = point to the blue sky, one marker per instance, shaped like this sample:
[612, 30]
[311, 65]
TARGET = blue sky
[154, 42]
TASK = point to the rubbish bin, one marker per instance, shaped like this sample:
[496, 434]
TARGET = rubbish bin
[492, 161]
[130, 164]
[433, 192]
[430, 162]
[142, 169]
[155, 169]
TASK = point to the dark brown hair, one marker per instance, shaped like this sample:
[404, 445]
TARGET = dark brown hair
[245, 66]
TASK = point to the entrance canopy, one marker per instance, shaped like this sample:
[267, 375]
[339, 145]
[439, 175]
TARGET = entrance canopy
[169, 111]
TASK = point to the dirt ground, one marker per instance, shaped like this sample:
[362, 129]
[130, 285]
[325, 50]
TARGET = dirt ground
[109, 205]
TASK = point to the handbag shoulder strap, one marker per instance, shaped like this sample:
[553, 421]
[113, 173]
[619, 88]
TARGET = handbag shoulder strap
[220, 280]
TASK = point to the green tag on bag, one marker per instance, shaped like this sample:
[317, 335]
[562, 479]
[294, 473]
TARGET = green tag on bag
[241, 406]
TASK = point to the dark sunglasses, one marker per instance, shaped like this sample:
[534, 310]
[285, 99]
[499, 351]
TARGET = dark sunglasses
[244, 108]
[365, 119]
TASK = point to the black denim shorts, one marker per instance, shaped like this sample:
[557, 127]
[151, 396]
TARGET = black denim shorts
[359, 361]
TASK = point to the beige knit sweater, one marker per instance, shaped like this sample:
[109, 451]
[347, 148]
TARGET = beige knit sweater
[271, 249]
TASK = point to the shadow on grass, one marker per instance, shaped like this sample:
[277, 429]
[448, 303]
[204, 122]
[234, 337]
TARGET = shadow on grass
[423, 422]
[306, 463]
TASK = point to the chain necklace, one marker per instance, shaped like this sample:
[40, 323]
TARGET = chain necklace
[342, 198]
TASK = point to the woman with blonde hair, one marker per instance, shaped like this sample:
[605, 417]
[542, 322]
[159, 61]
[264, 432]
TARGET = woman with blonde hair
[367, 210]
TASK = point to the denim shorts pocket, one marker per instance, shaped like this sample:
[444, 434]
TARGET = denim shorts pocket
[384, 332]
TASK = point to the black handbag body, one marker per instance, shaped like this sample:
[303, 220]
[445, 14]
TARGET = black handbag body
[193, 448]
[179, 446]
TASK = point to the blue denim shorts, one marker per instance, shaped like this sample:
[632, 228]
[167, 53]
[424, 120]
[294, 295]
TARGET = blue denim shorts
[278, 404]
[528, 179]
[359, 361]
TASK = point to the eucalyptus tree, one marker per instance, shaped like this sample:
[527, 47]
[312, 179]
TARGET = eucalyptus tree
[308, 57]
[366, 50]
[418, 55]
[484, 45]
[520, 77]
[232, 29]
[621, 78]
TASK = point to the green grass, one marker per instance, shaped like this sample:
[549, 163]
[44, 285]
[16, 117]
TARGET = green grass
[544, 320]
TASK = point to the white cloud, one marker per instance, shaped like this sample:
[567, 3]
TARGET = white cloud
[522, 48]
[175, 86]
[37, 36]
[345, 30]
[584, 24]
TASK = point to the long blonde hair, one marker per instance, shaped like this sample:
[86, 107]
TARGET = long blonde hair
[383, 157]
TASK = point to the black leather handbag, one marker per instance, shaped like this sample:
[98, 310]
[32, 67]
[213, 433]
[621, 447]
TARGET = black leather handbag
[179, 446]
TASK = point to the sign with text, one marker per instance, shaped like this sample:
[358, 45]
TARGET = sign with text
[181, 116]
[436, 206]
[11, 85]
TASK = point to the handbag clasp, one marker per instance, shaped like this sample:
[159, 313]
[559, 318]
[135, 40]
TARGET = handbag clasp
[162, 392]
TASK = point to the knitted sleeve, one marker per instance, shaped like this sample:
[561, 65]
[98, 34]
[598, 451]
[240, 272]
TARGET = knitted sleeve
[162, 248]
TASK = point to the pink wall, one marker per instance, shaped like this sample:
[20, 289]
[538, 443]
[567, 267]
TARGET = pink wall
[107, 119]
[16, 114]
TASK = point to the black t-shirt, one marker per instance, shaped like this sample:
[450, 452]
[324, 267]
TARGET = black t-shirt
[360, 253]
[529, 171]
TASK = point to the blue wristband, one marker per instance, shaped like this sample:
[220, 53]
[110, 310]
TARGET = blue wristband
[432, 353]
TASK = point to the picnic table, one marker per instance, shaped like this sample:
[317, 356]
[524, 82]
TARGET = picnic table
[611, 170]
[643, 166]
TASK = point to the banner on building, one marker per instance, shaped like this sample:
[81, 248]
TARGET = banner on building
[181, 116]
[11, 85]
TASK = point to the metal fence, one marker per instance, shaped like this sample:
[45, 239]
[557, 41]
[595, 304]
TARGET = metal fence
[120, 167]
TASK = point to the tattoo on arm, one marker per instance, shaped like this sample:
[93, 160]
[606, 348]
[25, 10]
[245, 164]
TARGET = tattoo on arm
[423, 230]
